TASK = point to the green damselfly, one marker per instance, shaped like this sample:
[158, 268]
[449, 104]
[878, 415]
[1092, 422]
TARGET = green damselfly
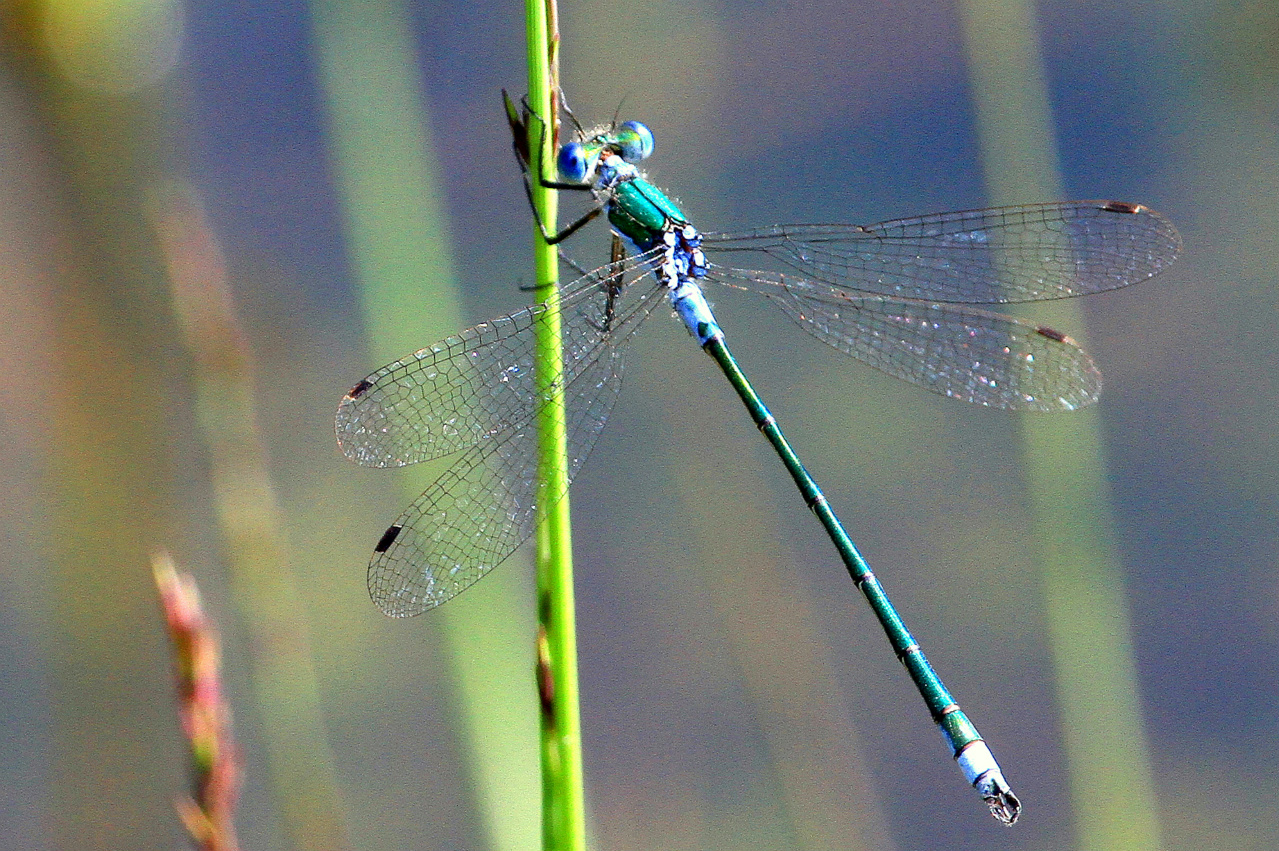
[898, 295]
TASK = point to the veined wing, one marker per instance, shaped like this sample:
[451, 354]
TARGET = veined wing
[468, 388]
[484, 506]
[954, 350]
[993, 256]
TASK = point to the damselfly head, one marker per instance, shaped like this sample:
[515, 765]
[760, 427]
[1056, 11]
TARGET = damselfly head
[578, 161]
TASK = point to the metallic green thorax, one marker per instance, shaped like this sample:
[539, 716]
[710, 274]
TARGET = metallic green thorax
[640, 212]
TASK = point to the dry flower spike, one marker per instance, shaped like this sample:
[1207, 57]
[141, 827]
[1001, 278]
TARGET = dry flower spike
[206, 717]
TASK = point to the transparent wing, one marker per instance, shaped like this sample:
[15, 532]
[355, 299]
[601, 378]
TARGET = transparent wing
[470, 387]
[993, 256]
[476, 514]
[956, 351]
[484, 506]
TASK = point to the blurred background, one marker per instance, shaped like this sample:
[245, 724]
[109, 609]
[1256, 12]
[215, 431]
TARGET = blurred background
[216, 217]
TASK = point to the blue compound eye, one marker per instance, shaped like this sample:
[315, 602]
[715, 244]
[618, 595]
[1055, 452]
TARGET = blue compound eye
[635, 141]
[572, 162]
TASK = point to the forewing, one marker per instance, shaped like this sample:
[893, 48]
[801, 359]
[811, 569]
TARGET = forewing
[992, 256]
[467, 388]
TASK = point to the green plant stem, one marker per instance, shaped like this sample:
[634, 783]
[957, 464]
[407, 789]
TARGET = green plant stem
[563, 806]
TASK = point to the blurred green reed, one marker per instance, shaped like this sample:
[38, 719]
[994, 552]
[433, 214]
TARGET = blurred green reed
[261, 569]
[1064, 459]
[398, 239]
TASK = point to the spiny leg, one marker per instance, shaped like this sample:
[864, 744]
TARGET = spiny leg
[520, 133]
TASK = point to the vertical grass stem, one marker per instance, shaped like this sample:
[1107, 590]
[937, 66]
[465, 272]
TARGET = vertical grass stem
[563, 809]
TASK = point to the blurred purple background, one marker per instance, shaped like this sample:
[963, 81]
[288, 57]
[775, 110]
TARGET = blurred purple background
[692, 553]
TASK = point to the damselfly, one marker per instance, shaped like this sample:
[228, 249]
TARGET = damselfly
[898, 295]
